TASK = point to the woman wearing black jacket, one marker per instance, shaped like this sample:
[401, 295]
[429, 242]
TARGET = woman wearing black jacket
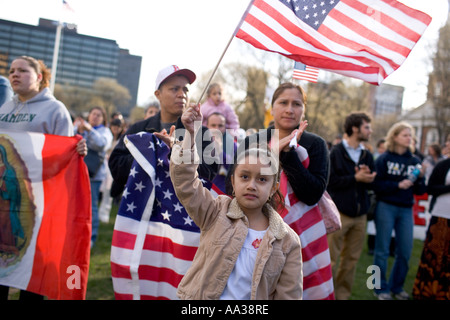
[307, 182]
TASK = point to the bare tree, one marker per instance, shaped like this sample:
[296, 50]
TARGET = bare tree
[439, 84]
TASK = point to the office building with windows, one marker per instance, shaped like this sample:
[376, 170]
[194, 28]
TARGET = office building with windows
[82, 59]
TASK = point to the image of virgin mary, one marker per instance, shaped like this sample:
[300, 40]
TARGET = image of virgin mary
[11, 232]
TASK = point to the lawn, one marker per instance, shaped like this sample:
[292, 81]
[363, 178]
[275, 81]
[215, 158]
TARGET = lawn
[100, 283]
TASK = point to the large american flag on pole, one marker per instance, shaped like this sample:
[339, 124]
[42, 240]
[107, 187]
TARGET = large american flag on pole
[154, 239]
[364, 39]
[307, 221]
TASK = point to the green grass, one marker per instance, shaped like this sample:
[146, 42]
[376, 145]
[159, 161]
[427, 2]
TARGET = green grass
[360, 290]
[100, 284]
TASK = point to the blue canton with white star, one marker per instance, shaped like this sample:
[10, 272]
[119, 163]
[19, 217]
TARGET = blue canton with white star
[166, 208]
[312, 12]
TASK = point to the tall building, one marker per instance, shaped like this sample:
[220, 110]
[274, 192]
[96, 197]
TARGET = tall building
[386, 99]
[82, 59]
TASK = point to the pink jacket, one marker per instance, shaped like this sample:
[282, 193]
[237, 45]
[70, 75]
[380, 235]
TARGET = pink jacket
[224, 108]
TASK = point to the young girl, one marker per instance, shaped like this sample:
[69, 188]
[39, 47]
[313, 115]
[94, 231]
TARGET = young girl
[215, 103]
[246, 251]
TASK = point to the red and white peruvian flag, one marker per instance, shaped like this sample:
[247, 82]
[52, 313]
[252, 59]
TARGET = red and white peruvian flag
[45, 215]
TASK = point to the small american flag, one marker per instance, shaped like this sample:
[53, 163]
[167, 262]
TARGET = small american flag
[307, 221]
[364, 39]
[303, 72]
[154, 239]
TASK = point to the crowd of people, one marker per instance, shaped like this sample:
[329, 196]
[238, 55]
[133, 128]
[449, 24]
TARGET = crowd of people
[247, 250]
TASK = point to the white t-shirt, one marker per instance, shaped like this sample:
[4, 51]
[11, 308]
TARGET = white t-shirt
[239, 284]
[442, 205]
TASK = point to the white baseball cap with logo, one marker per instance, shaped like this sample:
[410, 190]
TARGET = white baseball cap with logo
[171, 71]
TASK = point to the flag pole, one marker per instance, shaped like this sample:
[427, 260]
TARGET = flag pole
[55, 56]
[226, 48]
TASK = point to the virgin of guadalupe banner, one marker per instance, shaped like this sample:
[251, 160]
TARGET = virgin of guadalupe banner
[45, 215]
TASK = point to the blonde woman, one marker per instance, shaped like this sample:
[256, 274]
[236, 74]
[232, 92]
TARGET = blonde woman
[395, 187]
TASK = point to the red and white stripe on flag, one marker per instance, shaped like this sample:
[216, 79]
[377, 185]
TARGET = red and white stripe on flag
[303, 72]
[364, 39]
[45, 215]
[154, 239]
[307, 221]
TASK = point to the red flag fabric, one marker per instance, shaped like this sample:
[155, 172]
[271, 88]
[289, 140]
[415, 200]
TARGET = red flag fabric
[45, 215]
[364, 39]
[154, 239]
[307, 221]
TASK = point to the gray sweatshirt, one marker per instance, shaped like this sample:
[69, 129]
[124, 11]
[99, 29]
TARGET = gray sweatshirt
[42, 113]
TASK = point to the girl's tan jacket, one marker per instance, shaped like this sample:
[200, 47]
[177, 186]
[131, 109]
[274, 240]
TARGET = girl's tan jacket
[224, 227]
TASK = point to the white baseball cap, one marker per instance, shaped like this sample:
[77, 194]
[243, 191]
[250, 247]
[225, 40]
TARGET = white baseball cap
[173, 70]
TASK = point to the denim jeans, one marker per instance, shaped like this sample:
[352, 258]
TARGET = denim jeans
[95, 192]
[389, 217]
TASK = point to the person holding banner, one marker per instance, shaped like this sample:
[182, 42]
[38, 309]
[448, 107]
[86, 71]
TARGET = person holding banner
[33, 108]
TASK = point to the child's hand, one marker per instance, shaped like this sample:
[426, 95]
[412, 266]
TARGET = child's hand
[190, 116]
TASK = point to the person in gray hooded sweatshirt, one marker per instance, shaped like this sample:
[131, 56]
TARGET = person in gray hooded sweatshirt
[34, 109]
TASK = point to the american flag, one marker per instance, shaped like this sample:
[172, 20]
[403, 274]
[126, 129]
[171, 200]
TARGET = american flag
[304, 72]
[307, 221]
[364, 39]
[154, 239]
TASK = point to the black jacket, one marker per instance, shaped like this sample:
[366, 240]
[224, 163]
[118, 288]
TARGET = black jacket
[121, 160]
[350, 196]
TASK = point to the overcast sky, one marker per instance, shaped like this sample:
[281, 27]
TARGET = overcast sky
[194, 33]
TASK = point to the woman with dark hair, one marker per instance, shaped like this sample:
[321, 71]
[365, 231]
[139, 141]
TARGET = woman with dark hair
[308, 183]
[99, 139]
